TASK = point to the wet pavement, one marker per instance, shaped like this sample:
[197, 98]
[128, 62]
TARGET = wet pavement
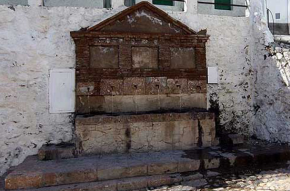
[265, 178]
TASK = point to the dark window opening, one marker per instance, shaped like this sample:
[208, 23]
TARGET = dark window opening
[163, 2]
[129, 3]
[278, 16]
[223, 7]
[107, 4]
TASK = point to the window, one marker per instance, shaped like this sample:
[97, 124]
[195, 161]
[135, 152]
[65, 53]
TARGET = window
[14, 2]
[223, 7]
[163, 2]
[278, 16]
[78, 3]
[129, 3]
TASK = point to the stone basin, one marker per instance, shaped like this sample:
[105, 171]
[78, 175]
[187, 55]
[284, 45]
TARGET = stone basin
[127, 133]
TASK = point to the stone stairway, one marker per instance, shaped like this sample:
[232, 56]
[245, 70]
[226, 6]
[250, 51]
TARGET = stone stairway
[125, 172]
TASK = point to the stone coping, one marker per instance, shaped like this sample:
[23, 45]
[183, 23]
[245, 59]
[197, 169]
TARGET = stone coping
[153, 117]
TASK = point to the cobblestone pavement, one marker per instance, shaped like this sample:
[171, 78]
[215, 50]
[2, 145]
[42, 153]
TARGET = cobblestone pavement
[277, 179]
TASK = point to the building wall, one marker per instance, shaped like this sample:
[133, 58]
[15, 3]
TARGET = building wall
[210, 9]
[280, 26]
[178, 6]
[280, 6]
[35, 39]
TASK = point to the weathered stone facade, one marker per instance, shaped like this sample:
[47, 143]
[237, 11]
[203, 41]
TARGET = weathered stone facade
[36, 39]
[140, 51]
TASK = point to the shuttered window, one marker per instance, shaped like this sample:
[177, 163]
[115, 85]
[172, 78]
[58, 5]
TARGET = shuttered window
[163, 2]
[223, 7]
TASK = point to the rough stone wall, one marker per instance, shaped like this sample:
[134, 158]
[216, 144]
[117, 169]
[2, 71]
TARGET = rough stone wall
[34, 40]
[272, 82]
[229, 49]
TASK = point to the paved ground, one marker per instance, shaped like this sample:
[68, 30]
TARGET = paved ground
[277, 179]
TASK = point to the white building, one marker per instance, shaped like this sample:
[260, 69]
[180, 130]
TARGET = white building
[279, 16]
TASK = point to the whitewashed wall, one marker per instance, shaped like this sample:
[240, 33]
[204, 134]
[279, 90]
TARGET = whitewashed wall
[278, 6]
[34, 40]
[210, 9]
[272, 91]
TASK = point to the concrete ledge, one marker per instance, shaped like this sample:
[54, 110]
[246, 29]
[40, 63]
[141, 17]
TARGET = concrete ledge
[14, 2]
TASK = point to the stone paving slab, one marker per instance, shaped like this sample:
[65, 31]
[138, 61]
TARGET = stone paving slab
[36, 174]
[268, 178]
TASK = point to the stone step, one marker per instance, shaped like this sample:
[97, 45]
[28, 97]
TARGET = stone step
[59, 151]
[33, 173]
[125, 184]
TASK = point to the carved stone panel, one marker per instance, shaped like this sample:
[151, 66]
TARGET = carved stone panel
[156, 85]
[177, 86]
[145, 57]
[111, 87]
[104, 57]
[134, 86]
[182, 58]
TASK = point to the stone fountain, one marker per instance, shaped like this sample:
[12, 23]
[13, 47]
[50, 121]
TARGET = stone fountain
[141, 85]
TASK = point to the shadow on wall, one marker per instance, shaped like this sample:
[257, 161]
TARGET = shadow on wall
[272, 95]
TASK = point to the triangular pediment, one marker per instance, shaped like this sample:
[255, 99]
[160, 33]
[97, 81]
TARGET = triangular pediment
[142, 18]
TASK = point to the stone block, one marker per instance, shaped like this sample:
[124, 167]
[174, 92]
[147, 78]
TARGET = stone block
[134, 86]
[145, 57]
[211, 163]
[104, 57]
[108, 173]
[139, 103]
[140, 136]
[182, 58]
[108, 138]
[160, 136]
[197, 100]
[188, 165]
[162, 168]
[232, 139]
[236, 139]
[156, 85]
[87, 89]
[185, 134]
[111, 87]
[156, 181]
[23, 181]
[60, 151]
[209, 132]
[79, 176]
[141, 133]
[132, 184]
[50, 179]
[197, 86]
[177, 86]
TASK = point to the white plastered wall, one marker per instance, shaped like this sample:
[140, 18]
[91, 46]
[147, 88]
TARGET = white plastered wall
[35, 39]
